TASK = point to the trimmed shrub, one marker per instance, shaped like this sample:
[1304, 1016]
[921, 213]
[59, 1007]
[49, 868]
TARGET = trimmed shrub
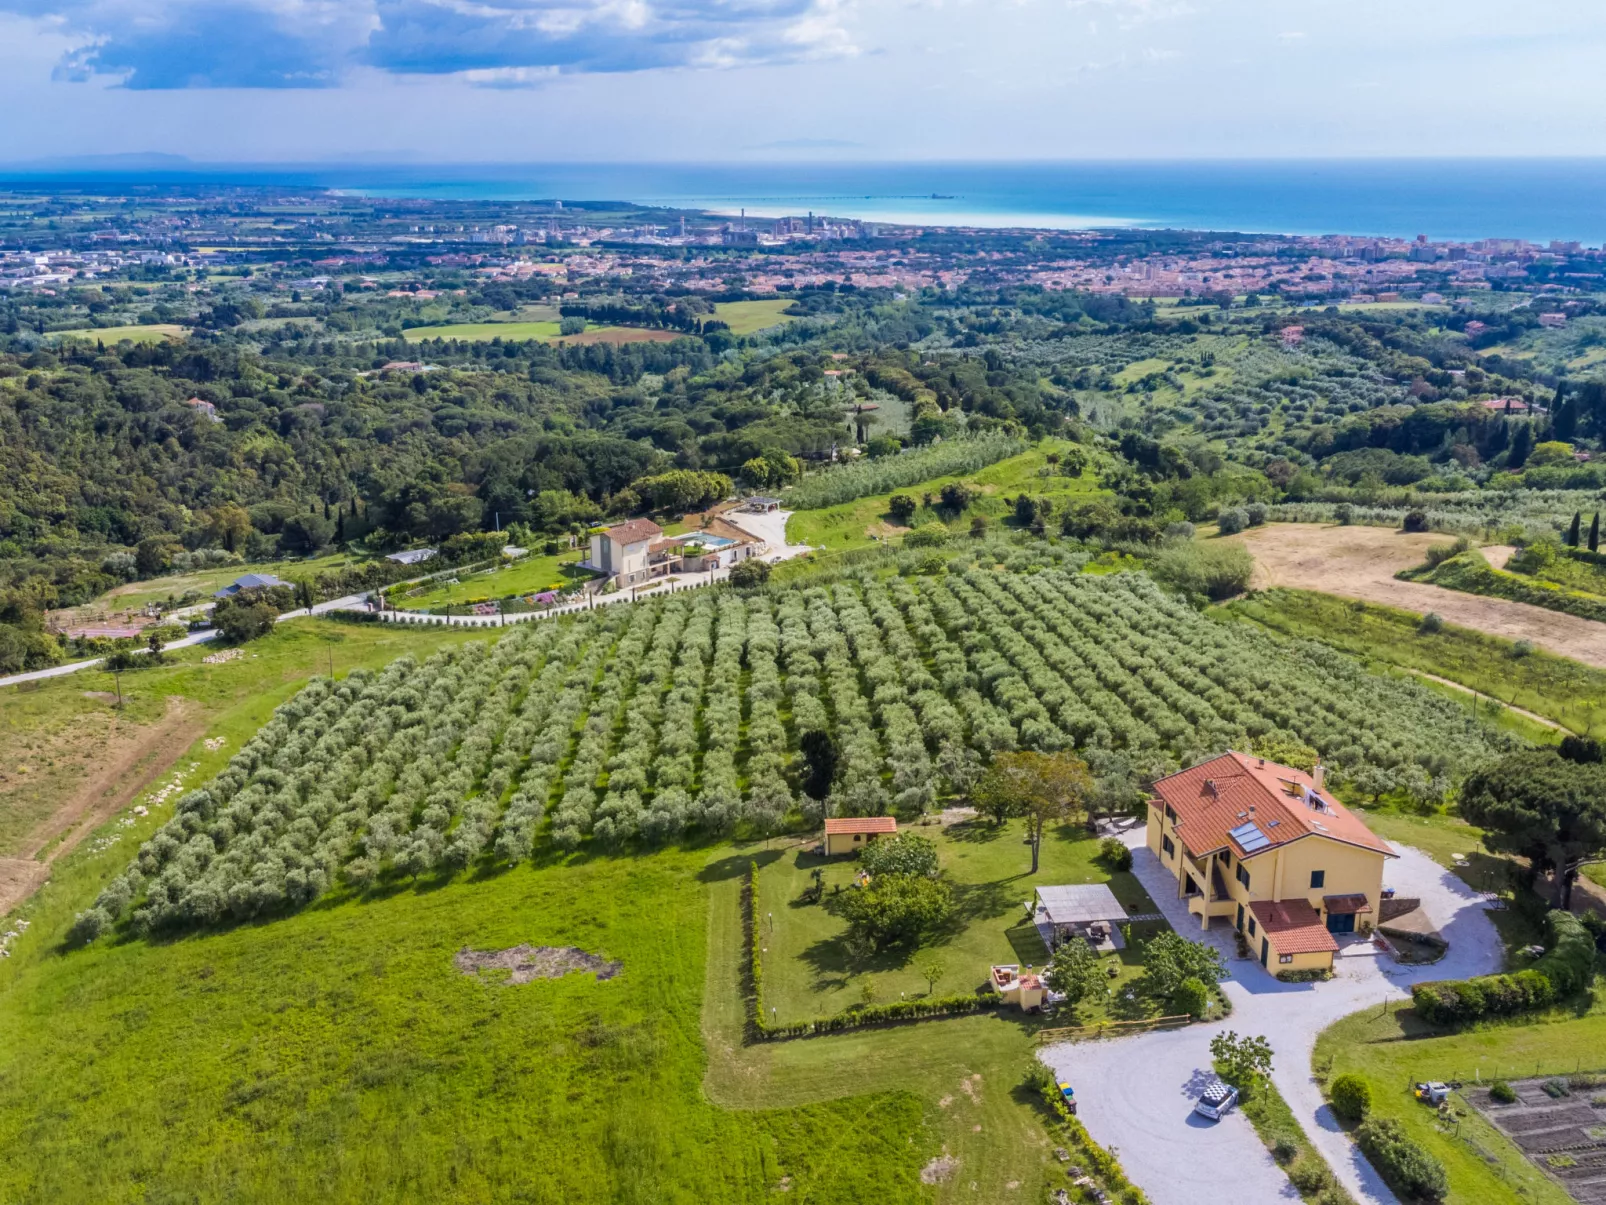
[1352, 1097]
[1284, 1147]
[1408, 1167]
[1502, 1093]
[1567, 967]
[1114, 854]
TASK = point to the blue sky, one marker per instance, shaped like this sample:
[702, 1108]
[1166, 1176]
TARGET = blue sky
[531, 80]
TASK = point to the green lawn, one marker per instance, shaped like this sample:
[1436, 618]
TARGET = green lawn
[110, 335]
[531, 574]
[206, 581]
[746, 317]
[809, 973]
[862, 522]
[965, 1073]
[1559, 689]
[1392, 1050]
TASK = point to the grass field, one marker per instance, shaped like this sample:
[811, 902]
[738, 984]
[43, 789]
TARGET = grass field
[543, 332]
[52, 737]
[110, 335]
[808, 972]
[135, 595]
[1554, 687]
[746, 317]
[1392, 1050]
[338, 1055]
[532, 574]
[864, 522]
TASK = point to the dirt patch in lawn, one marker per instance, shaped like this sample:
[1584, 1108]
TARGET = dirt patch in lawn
[520, 964]
[622, 334]
[940, 1170]
[1360, 562]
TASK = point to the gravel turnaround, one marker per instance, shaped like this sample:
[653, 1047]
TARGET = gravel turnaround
[1136, 1094]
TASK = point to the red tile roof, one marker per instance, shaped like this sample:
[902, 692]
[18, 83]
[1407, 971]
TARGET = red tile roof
[1293, 927]
[861, 824]
[1226, 792]
[634, 531]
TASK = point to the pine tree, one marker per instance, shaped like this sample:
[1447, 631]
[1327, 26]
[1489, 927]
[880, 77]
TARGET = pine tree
[1594, 533]
[1572, 531]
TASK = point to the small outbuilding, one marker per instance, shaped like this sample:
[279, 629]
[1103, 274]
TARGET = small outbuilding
[850, 834]
[1291, 936]
[1026, 990]
[250, 581]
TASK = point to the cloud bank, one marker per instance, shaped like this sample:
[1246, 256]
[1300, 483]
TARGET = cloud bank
[162, 44]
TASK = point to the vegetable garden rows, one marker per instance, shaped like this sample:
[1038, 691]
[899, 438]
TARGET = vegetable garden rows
[679, 715]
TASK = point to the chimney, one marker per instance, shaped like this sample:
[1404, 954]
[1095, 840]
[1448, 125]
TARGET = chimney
[1319, 775]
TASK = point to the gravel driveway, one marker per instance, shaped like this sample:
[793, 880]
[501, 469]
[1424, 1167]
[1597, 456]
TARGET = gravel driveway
[1136, 1094]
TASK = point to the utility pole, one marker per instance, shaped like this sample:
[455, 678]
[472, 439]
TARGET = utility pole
[117, 677]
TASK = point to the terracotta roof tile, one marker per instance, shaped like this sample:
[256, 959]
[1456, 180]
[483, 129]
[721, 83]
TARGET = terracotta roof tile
[634, 531]
[861, 824]
[1293, 927]
[1225, 793]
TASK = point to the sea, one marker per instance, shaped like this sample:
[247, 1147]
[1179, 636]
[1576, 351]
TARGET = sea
[1444, 199]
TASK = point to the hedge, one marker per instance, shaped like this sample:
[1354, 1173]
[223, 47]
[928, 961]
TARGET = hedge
[1567, 967]
[1409, 1168]
[1103, 1164]
[856, 1018]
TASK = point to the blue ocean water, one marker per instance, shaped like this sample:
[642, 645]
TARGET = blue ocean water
[1462, 199]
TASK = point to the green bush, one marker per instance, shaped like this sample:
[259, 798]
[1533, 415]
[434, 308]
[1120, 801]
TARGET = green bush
[1212, 570]
[1114, 854]
[1567, 967]
[907, 853]
[1408, 1167]
[1502, 1092]
[1191, 997]
[1284, 1147]
[1351, 1096]
[1309, 1174]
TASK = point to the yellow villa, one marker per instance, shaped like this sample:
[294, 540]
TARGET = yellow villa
[1266, 848]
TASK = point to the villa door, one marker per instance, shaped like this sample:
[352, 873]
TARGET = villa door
[1341, 922]
[1240, 918]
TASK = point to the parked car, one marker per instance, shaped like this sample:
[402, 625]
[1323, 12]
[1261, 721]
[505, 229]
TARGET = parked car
[1218, 1100]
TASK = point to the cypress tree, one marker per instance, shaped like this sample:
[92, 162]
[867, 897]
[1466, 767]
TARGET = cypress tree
[1521, 444]
[1572, 532]
[1594, 533]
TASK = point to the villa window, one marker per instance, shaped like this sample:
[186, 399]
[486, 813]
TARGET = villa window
[1285, 958]
[1251, 926]
[1243, 876]
[1165, 844]
[1318, 878]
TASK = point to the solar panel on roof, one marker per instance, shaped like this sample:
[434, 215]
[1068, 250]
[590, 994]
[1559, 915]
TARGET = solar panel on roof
[1250, 838]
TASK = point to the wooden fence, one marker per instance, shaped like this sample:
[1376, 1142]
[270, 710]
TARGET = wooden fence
[1074, 1033]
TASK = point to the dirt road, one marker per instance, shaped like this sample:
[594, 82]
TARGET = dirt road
[1360, 562]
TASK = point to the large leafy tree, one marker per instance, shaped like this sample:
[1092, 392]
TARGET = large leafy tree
[1042, 787]
[1169, 959]
[1074, 971]
[1542, 806]
[895, 910]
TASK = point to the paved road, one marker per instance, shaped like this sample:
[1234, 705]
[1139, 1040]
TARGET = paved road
[352, 602]
[1137, 1093]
